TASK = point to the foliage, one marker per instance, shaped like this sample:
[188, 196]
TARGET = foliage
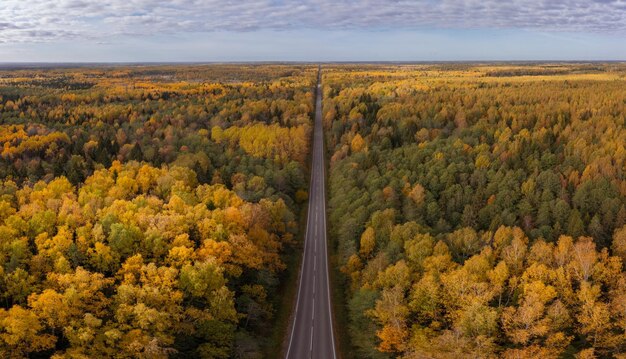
[479, 210]
[146, 212]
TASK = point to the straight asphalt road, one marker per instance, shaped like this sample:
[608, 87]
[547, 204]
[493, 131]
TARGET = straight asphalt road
[312, 330]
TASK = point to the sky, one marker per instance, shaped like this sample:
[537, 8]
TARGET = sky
[311, 30]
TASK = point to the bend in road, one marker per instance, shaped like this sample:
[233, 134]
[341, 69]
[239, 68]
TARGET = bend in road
[312, 329]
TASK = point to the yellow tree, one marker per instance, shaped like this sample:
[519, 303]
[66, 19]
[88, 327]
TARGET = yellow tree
[22, 333]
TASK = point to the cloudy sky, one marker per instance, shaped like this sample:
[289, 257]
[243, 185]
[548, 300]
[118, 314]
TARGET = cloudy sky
[311, 30]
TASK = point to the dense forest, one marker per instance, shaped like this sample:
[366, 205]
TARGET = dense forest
[476, 211]
[479, 211]
[146, 211]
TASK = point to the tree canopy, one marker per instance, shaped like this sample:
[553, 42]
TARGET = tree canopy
[479, 211]
[148, 212]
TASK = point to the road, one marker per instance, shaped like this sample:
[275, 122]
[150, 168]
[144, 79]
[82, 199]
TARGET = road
[312, 331]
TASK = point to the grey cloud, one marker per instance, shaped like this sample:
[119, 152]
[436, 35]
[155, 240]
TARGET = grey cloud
[48, 20]
[8, 26]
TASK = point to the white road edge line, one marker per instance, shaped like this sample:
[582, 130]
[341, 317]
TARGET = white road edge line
[306, 241]
[330, 307]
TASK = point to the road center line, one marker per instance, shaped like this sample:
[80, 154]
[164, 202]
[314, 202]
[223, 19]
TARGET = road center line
[311, 345]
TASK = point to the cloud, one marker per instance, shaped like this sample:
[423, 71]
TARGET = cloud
[51, 20]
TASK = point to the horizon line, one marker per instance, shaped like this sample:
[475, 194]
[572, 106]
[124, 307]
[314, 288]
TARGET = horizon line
[278, 62]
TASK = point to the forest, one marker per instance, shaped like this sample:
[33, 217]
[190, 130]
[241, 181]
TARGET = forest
[475, 210]
[479, 210]
[148, 211]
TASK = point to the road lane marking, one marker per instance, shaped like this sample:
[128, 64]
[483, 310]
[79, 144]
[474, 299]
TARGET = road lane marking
[311, 346]
[312, 331]
[330, 307]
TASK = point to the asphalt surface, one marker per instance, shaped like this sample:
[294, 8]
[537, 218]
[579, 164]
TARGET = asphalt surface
[312, 330]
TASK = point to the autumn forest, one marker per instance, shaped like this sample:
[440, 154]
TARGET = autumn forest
[159, 211]
[147, 212]
[479, 211]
